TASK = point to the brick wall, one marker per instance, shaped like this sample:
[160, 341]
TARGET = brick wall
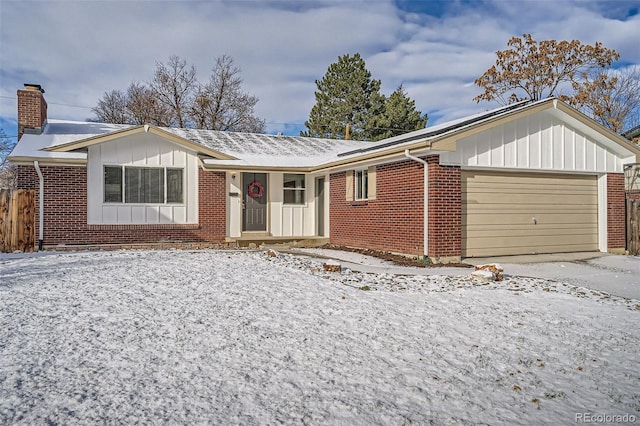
[32, 110]
[616, 206]
[392, 222]
[445, 210]
[65, 206]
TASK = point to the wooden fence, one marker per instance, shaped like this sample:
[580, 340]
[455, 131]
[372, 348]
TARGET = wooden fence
[633, 227]
[17, 220]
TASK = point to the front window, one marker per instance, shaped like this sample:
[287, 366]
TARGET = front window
[294, 188]
[112, 184]
[174, 186]
[143, 185]
[362, 184]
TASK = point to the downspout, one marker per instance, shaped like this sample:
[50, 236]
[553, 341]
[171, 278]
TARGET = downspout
[426, 200]
[41, 213]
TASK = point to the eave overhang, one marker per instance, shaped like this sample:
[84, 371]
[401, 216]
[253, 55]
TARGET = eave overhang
[47, 161]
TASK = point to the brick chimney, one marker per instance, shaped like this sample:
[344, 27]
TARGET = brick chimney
[32, 110]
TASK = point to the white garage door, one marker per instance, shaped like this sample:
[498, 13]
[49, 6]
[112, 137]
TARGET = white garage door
[525, 213]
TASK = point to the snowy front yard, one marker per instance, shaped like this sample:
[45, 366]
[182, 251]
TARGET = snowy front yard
[242, 338]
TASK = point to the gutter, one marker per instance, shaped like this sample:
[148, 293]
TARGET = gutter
[41, 212]
[425, 242]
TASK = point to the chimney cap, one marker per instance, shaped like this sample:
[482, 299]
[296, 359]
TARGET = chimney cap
[34, 87]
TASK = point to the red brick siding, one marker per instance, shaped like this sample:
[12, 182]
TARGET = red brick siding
[616, 206]
[633, 195]
[212, 207]
[445, 210]
[391, 222]
[32, 110]
[65, 205]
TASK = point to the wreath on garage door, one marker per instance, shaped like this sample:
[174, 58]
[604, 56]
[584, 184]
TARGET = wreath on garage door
[255, 190]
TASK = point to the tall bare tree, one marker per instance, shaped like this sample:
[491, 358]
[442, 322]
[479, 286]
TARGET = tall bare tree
[222, 105]
[174, 85]
[112, 108]
[7, 171]
[138, 105]
[144, 108]
[174, 97]
[536, 70]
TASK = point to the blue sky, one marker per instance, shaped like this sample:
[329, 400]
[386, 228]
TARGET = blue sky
[77, 50]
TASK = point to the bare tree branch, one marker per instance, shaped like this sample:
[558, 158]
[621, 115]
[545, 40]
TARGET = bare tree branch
[175, 98]
[221, 105]
[174, 85]
[112, 108]
[7, 170]
[612, 97]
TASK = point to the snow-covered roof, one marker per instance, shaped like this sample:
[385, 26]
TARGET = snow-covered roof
[60, 132]
[247, 149]
[432, 132]
[62, 140]
[254, 149]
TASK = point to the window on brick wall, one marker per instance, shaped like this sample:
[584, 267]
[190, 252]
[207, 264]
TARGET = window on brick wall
[294, 188]
[362, 184]
[143, 185]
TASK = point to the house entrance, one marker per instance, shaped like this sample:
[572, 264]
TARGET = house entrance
[254, 217]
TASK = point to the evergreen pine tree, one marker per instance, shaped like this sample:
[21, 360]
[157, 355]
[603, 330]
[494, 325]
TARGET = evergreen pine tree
[346, 95]
[399, 116]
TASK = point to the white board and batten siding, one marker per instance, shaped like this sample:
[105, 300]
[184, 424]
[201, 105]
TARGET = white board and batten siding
[537, 142]
[536, 184]
[143, 150]
[289, 220]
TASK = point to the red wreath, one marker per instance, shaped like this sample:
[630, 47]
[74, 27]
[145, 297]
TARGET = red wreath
[255, 190]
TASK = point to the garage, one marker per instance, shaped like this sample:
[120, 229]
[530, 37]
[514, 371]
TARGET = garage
[508, 213]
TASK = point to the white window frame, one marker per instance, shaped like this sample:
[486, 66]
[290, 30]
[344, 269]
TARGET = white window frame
[361, 182]
[123, 194]
[302, 191]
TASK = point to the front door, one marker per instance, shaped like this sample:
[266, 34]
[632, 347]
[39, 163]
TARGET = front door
[254, 202]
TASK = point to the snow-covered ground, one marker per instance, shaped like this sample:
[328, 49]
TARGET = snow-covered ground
[238, 337]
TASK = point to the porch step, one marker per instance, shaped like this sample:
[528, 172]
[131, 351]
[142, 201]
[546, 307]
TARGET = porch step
[281, 241]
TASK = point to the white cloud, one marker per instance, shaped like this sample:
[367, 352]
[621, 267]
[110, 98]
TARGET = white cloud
[79, 50]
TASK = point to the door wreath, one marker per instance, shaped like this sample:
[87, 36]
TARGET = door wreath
[255, 189]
